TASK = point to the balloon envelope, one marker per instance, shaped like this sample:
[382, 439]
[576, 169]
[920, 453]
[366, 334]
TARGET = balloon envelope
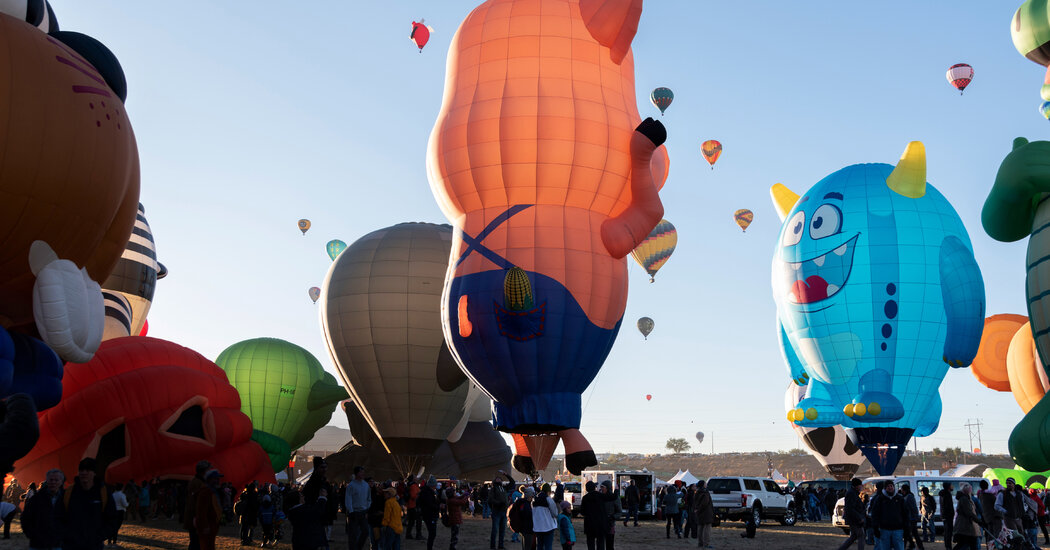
[662, 98]
[711, 149]
[1044, 109]
[657, 248]
[645, 326]
[699, 437]
[304, 225]
[315, 293]
[829, 445]
[743, 218]
[648, 397]
[960, 75]
[420, 34]
[335, 248]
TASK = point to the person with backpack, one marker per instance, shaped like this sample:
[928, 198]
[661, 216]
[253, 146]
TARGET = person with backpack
[544, 518]
[497, 503]
[521, 517]
[566, 532]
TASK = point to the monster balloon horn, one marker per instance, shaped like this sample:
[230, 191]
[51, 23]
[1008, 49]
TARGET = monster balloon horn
[550, 180]
[877, 293]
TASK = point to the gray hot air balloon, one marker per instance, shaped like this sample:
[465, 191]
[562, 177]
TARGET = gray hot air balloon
[645, 326]
[135, 276]
[380, 311]
[699, 437]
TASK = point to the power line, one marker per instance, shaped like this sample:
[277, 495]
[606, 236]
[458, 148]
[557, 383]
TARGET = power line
[974, 426]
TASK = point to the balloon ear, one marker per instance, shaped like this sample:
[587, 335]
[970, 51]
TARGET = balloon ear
[100, 57]
[1019, 142]
[784, 199]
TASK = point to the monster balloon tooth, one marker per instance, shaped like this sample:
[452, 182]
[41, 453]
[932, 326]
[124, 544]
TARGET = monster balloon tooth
[539, 204]
[877, 295]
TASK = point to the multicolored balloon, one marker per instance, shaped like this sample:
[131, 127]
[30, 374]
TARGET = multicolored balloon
[420, 34]
[335, 248]
[743, 218]
[1044, 109]
[711, 149]
[656, 249]
[304, 225]
[645, 326]
[662, 98]
[960, 75]
[315, 293]
[855, 254]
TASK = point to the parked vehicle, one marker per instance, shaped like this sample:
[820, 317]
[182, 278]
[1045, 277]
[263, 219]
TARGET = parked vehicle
[737, 498]
[645, 481]
[916, 483]
[574, 494]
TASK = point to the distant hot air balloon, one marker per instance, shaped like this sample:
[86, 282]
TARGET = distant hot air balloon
[420, 34]
[711, 149]
[960, 75]
[304, 226]
[655, 250]
[662, 98]
[645, 326]
[315, 293]
[648, 397]
[335, 248]
[743, 218]
[1044, 109]
[699, 437]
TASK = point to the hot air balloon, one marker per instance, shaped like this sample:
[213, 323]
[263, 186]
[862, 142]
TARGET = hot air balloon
[656, 249]
[554, 203]
[743, 218]
[1044, 109]
[645, 326]
[830, 445]
[135, 277]
[711, 149]
[648, 397]
[281, 385]
[960, 75]
[304, 225]
[420, 34]
[699, 437]
[662, 98]
[868, 371]
[315, 293]
[123, 409]
[335, 248]
[381, 314]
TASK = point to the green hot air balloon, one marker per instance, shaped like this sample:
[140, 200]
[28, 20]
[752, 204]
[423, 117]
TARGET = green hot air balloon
[335, 248]
[284, 391]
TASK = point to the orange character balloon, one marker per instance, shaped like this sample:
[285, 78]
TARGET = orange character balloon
[541, 161]
[69, 175]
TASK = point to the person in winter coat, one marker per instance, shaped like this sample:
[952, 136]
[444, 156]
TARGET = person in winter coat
[308, 521]
[248, 510]
[613, 508]
[427, 503]
[854, 516]
[412, 495]
[544, 518]
[454, 501]
[1040, 514]
[947, 512]
[43, 519]
[120, 503]
[633, 500]
[498, 501]
[89, 510]
[889, 517]
[391, 521]
[196, 484]
[965, 530]
[911, 534]
[671, 512]
[266, 517]
[592, 508]
[207, 510]
[521, 516]
[566, 532]
[704, 510]
[927, 509]
[989, 514]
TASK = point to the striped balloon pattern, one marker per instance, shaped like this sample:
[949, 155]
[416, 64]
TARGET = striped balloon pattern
[960, 75]
[743, 218]
[136, 275]
[656, 249]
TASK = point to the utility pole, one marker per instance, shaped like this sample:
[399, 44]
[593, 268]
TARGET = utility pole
[972, 427]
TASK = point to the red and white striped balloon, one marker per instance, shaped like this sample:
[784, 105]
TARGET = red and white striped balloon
[960, 75]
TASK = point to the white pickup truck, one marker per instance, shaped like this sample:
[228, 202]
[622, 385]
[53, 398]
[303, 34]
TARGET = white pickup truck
[737, 498]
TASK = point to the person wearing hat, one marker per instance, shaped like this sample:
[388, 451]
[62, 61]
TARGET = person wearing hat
[566, 532]
[196, 484]
[89, 510]
[455, 500]
[544, 518]
[392, 528]
[207, 510]
[520, 517]
[498, 502]
[427, 502]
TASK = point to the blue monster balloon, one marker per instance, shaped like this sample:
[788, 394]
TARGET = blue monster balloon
[877, 293]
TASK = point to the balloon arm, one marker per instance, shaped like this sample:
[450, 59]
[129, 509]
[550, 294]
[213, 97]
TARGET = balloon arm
[626, 231]
[962, 291]
[1023, 178]
[323, 394]
[613, 23]
[794, 364]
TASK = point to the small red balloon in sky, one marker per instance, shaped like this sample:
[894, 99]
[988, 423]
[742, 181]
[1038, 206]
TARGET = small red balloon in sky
[420, 34]
[648, 397]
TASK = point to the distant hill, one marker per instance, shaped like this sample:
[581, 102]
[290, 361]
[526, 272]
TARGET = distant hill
[796, 465]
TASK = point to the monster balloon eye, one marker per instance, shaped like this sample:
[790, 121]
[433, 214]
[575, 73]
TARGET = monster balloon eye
[827, 221]
[793, 233]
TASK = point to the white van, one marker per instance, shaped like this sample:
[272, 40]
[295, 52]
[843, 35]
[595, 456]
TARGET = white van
[916, 483]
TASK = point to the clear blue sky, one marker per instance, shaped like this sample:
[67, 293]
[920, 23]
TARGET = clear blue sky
[251, 115]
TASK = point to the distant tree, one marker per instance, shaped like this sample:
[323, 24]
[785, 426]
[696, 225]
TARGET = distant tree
[937, 451]
[677, 445]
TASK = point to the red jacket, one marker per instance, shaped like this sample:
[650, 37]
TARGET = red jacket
[413, 493]
[455, 504]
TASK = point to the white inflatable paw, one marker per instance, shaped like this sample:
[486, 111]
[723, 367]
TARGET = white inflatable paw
[67, 305]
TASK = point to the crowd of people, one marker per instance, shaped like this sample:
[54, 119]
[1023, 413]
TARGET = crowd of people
[895, 518]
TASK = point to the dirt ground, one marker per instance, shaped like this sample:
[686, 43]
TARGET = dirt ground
[474, 535]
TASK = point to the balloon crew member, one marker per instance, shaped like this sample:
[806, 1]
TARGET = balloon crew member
[89, 510]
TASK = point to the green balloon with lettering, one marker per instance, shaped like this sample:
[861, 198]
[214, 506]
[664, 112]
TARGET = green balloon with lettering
[284, 391]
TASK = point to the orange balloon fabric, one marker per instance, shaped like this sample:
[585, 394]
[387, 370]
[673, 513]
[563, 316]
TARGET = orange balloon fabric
[1027, 378]
[989, 367]
[69, 174]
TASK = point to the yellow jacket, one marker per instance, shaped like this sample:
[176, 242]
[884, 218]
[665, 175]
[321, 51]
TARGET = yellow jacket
[392, 515]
